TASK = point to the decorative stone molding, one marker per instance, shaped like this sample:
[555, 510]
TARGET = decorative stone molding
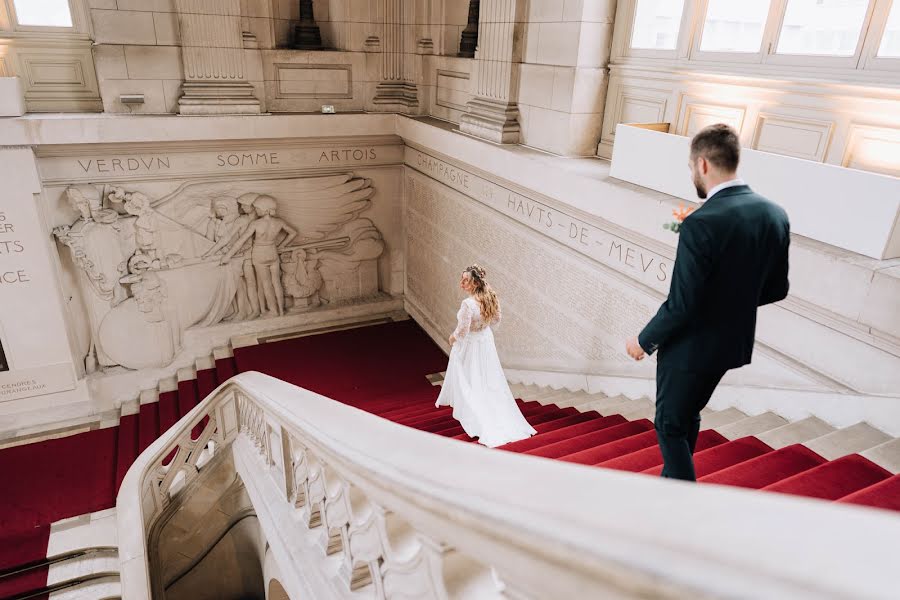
[468, 39]
[56, 70]
[213, 53]
[493, 114]
[397, 91]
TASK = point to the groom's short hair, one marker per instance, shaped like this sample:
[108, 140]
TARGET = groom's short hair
[718, 144]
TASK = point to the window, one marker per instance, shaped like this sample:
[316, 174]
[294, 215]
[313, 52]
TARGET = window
[734, 26]
[822, 27]
[890, 41]
[656, 24]
[43, 13]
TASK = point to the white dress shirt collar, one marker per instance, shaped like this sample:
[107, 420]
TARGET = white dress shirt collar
[723, 185]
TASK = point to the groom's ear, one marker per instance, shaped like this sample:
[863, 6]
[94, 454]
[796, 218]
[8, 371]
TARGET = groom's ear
[702, 165]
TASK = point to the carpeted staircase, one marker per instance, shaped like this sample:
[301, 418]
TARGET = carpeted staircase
[382, 370]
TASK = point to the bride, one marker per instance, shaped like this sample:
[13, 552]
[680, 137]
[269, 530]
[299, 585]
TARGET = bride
[475, 385]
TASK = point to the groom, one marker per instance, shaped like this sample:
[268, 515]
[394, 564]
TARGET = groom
[732, 257]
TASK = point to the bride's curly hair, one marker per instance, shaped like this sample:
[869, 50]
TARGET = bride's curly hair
[484, 293]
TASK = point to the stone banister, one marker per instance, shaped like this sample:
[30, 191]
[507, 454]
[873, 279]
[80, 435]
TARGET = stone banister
[419, 515]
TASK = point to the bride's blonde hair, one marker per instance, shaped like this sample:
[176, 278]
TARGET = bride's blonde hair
[484, 293]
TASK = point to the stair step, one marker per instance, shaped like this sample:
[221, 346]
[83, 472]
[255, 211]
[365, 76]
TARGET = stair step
[541, 393]
[639, 435]
[834, 479]
[795, 433]
[885, 494]
[106, 561]
[148, 425]
[752, 425]
[849, 440]
[226, 368]
[549, 395]
[207, 381]
[564, 433]
[126, 446]
[168, 410]
[100, 589]
[593, 439]
[188, 396]
[767, 469]
[886, 455]
[84, 531]
[720, 418]
[603, 405]
[650, 457]
[723, 456]
[640, 409]
[579, 398]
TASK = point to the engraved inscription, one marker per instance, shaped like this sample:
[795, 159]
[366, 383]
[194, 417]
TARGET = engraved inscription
[125, 164]
[348, 154]
[650, 268]
[247, 159]
[10, 274]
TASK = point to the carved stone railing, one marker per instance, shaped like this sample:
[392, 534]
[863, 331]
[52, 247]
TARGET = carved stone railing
[351, 503]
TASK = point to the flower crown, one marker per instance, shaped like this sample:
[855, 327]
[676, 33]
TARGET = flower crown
[477, 272]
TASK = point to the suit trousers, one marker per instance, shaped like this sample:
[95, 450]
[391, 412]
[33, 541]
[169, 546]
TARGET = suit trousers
[680, 396]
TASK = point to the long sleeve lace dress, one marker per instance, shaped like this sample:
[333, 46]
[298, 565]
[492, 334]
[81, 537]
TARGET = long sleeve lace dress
[475, 385]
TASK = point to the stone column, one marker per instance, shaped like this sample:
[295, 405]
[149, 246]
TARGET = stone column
[493, 114]
[215, 77]
[306, 33]
[397, 91]
[468, 39]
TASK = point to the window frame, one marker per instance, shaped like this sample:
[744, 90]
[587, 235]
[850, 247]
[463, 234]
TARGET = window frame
[81, 22]
[816, 60]
[870, 59]
[624, 44]
[758, 57]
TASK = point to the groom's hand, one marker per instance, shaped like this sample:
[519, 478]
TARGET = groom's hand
[634, 349]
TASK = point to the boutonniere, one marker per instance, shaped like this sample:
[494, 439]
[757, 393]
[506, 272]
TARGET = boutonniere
[681, 213]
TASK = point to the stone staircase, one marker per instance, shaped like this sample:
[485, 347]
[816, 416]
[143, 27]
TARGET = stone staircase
[854, 449]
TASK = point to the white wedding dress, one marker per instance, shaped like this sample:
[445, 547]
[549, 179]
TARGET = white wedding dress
[475, 385]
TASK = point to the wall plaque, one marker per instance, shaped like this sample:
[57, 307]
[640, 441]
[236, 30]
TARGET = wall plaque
[47, 379]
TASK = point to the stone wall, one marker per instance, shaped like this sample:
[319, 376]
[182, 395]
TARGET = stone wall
[573, 288]
[564, 74]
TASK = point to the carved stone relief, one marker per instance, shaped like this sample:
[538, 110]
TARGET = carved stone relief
[214, 251]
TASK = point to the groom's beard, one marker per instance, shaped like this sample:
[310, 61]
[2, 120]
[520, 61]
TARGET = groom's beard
[701, 189]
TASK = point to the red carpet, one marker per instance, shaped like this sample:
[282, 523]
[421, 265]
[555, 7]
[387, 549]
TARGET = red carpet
[651, 457]
[881, 495]
[834, 479]
[767, 469]
[725, 455]
[382, 370]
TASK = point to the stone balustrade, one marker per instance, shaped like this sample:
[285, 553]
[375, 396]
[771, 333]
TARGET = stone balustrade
[347, 500]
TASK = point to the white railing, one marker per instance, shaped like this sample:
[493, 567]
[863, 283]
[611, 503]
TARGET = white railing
[355, 504]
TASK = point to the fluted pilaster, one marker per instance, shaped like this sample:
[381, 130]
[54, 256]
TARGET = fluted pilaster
[215, 78]
[493, 114]
[397, 89]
